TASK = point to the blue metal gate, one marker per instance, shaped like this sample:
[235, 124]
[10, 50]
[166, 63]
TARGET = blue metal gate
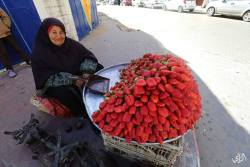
[25, 23]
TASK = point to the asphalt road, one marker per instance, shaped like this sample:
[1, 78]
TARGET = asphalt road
[218, 51]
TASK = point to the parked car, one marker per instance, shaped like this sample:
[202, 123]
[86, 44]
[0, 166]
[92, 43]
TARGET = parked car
[138, 3]
[114, 2]
[101, 2]
[111, 2]
[240, 8]
[153, 3]
[179, 5]
[126, 2]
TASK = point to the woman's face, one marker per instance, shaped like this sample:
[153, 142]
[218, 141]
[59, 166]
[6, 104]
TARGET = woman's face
[56, 35]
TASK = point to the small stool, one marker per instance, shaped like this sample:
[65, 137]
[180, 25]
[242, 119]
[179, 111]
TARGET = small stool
[50, 106]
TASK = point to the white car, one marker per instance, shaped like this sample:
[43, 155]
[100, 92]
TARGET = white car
[180, 5]
[153, 3]
[240, 8]
[138, 3]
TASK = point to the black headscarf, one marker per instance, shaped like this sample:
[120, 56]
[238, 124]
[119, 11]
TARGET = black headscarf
[49, 59]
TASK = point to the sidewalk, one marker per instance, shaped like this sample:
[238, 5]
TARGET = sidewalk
[15, 94]
[111, 42]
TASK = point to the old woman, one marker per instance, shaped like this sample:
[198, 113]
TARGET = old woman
[56, 61]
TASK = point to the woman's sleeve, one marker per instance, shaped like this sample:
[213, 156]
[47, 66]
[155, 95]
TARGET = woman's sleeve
[88, 66]
[84, 53]
[59, 79]
[87, 59]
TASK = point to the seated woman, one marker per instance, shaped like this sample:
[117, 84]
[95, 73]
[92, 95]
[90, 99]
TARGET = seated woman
[56, 59]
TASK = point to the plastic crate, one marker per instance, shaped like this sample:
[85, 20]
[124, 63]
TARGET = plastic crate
[50, 106]
[154, 154]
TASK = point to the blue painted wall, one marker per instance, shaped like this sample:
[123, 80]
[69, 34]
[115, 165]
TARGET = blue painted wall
[80, 20]
[94, 15]
[82, 26]
[25, 24]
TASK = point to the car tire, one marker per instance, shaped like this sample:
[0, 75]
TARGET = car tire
[165, 7]
[210, 11]
[191, 10]
[246, 16]
[180, 9]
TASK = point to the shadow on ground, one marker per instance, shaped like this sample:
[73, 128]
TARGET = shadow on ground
[185, 12]
[220, 138]
[228, 17]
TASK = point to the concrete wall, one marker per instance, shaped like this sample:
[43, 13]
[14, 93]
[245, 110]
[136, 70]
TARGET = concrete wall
[59, 9]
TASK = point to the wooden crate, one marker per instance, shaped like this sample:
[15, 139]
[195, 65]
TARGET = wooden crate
[155, 154]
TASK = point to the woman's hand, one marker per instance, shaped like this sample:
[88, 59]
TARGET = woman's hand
[80, 83]
[85, 76]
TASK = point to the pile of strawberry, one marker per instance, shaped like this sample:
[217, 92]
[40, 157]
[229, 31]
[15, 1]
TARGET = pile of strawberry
[156, 99]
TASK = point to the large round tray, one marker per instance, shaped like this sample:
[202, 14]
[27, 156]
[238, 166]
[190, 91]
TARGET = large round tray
[92, 100]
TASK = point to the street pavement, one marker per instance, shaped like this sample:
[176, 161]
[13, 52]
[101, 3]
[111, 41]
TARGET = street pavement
[217, 49]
